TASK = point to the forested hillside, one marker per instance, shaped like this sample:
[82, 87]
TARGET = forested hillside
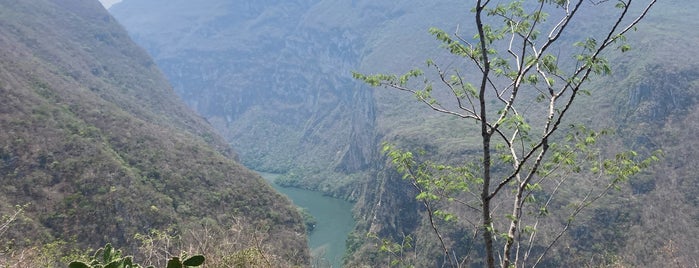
[655, 106]
[275, 78]
[97, 147]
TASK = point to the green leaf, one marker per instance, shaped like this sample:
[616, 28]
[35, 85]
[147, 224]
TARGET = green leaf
[174, 263]
[114, 264]
[195, 260]
[528, 229]
[530, 199]
[625, 48]
[128, 262]
[78, 264]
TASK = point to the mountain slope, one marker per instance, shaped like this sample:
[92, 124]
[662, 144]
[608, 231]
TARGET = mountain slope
[267, 71]
[97, 144]
[273, 70]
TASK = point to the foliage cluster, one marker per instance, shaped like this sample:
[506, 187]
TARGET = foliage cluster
[109, 257]
[520, 96]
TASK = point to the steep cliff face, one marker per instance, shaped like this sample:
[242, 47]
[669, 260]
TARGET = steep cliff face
[275, 80]
[657, 108]
[99, 146]
[280, 89]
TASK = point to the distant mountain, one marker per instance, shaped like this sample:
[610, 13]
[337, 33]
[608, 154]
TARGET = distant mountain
[99, 147]
[273, 76]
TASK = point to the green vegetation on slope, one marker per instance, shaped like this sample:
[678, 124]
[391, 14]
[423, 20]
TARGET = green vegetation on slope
[271, 78]
[267, 70]
[649, 102]
[96, 143]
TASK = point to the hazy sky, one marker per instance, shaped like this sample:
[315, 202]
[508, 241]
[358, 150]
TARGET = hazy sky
[109, 3]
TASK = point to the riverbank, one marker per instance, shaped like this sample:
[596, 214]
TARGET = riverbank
[334, 222]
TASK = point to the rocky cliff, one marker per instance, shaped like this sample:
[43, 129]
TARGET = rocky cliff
[274, 78]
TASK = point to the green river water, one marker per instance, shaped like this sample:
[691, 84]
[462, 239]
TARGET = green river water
[334, 222]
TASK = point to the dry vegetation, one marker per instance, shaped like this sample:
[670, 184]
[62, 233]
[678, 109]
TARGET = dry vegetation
[99, 148]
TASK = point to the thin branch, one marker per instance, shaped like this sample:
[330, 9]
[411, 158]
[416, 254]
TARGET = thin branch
[435, 107]
[583, 204]
[453, 90]
[9, 220]
[545, 206]
[430, 212]
[468, 96]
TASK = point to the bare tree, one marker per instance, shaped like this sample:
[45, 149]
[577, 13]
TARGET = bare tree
[519, 98]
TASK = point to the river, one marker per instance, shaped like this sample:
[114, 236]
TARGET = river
[333, 218]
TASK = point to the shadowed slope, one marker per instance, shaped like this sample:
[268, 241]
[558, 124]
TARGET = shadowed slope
[93, 138]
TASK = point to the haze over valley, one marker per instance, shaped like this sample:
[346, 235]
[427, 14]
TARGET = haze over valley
[152, 121]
